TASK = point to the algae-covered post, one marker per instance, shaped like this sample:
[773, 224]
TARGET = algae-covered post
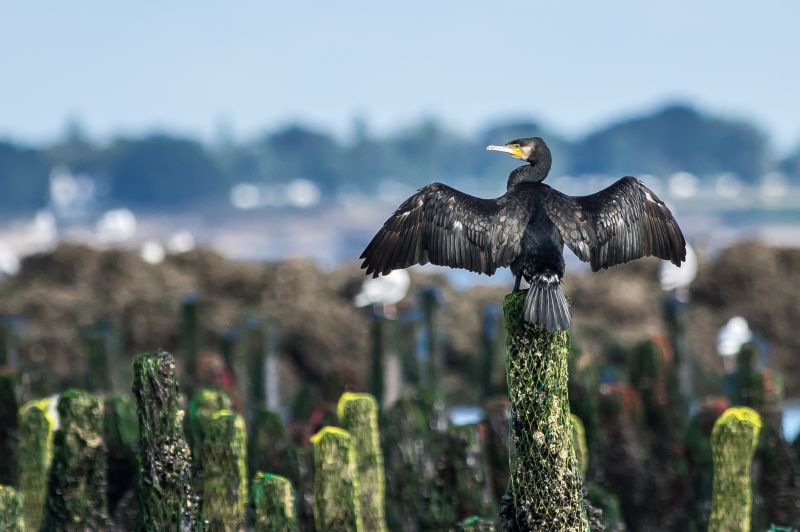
[223, 457]
[579, 444]
[36, 428]
[733, 442]
[358, 414]
[166, 499]
[76, 488]
[273, 498]
[545, 484]
[12, 518]
[337, 504]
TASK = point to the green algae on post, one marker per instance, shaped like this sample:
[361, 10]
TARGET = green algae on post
[76, 488]
[545, 483]
[35, 430]
[166, 500]
[579, 444]
[337, 506]
[475, 524]
[223, 457]
[733, 443]
[273, 498]
[11, 510]
[358, 414]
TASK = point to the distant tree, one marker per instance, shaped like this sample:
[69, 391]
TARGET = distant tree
[674, 139]
[24, 183]
[163, 171]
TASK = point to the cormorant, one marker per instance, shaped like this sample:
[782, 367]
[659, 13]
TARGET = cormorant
[526, 228]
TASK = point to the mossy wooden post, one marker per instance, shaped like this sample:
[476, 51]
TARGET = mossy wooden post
[223, 457]
[12, 518]
[166, 500]
[733, 442]
[472, 486]
[273, 498]
[358, 414]
[36, 429]
[76, 488]
[545, 485]
[337, 502]
[475, 524]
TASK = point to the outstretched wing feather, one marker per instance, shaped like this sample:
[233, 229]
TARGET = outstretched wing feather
[623, 222]
[446, 227]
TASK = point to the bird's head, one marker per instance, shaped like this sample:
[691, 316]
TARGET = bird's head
[530, 150]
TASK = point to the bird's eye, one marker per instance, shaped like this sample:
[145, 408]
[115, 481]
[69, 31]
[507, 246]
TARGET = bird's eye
[515, 146]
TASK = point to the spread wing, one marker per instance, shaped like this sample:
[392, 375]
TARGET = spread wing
[623, 222]
[446, 227]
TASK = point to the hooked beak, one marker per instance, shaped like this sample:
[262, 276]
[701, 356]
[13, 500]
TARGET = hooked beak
[514, 152]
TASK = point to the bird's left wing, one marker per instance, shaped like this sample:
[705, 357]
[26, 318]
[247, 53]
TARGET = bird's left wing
[446, 227]
[623, 222]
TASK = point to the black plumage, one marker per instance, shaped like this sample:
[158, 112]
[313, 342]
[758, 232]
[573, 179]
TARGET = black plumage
[526, 228]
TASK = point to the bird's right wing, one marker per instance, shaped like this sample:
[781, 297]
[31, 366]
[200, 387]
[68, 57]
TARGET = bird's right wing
[446, 227]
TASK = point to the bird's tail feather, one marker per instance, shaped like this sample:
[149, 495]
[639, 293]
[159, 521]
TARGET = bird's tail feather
[547, 304]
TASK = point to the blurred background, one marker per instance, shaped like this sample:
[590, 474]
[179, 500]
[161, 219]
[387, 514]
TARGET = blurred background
[180, 175]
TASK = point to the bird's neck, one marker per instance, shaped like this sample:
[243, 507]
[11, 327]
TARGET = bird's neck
[531, 173]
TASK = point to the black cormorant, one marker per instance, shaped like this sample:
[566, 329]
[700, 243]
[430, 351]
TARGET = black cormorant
[526, 228]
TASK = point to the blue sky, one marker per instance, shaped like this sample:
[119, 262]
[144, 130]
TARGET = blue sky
[187, 67]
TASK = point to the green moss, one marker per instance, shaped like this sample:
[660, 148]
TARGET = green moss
[337, 503]
[471, 477]
[579, 443]
[76, 490]
[166, 500]
[36, 430]
[733, 442]
[545, 485]
[475, 524]
[273, 498]
[223, 458]
[358, 414]
[11, 510]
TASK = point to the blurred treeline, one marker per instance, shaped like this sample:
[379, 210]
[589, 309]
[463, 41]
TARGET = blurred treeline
[161, 170]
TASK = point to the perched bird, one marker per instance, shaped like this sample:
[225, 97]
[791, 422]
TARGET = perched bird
[526, 228]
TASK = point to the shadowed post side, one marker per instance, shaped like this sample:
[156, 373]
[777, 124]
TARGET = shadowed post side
[544, 491]
[166, 500]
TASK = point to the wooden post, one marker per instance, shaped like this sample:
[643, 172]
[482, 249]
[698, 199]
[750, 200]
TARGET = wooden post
[733, 443]
[337, 506]
[36, 429]
[11, 514]
[76, 488]
[273, 498]
[166, 499]
[358, 414]
[545, 484]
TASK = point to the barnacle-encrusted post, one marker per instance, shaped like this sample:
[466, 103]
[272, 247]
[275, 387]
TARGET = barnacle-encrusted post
[76, 487]
[733, 442]
[166, 500]
[545, 485]
[223, 456]
[472, 484]
[35, 429]
[273, 498]
[337, 505]
[11, 514]
[475, 524]
[579, 443]
[358, 414]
